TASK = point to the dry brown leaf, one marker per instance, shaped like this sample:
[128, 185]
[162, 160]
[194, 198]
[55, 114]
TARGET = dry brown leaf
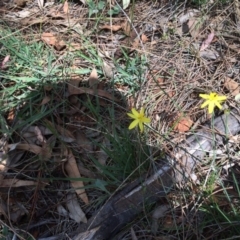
[20, 3]
[45, 100]
[87, 235]
[60, 45]
[207, 41]
[48, 87]
[93, 79]
[3, 167]
[158, 213]
[114, 28]
[183, 124]
[171, 93]
[39, 135]
[31, 21]
[5, 60]
[133, 234]
[75, 211]
[99, 92]
[135, 43]
[144, 38]
[74, 47]
[102, 156]
[27, 147]
[44, 152]
[73, 172]
[232, 86]
[11, 115]
[193, 26]
[65, 134]
[160, 80]
[65, 7]
[55, 13]
[126, 26]
[49, 38]
[21, 183]
[186, 16]
[62, 211]
[83, 142]
[211, 54]
[73, 84]
[107, 69]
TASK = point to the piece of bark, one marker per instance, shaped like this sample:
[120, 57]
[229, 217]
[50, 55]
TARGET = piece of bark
[126, 205]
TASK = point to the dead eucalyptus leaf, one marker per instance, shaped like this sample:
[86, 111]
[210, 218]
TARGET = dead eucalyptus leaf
[87, 235]
[75, 211]
[183, 124]
[65, 135]
[62, 211]
[114, 28]
[49, 38]
[73, 172]
[232, 86]
[21, 183]
[107, 69]
[3, 63]
[206, 43]
[39, 135]
[99, 92]
[25, 146]
[93, 79]
[126, 26]
[65, 7]
[133, 234]
[144, 38]
[83, 142]
[45, 100]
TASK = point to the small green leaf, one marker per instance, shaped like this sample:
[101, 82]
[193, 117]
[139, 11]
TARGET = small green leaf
[82, 71]
[114, 11]
[101, 5]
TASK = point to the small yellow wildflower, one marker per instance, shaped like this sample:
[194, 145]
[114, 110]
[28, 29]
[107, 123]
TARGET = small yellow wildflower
[212, 100]
[139, 119]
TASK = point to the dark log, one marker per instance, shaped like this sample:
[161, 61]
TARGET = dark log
[123, 208]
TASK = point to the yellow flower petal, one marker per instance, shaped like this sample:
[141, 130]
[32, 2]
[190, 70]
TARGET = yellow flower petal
[142, 111]
[210, 107]
[146, 120]
[205, 104]
[220, 98]
[205, 96]
[135, 112]
[218, 105]
[133, 124]
[131, 115]
[141, 126]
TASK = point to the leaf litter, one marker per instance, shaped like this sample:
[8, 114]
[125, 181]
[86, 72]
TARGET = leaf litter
[55, 145]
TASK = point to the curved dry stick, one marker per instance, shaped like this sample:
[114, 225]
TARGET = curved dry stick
[126, 205]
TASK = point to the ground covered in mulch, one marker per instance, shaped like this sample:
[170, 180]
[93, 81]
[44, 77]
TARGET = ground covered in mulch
[69, 74]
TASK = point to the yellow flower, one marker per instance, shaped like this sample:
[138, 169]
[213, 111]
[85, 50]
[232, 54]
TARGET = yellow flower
[139, 119]
[212, 100]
